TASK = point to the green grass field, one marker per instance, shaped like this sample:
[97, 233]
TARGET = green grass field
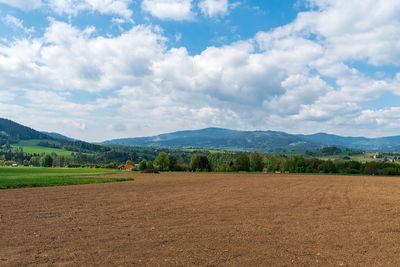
[31, 147]
[33, 176]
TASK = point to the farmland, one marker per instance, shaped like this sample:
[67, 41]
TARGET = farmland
[31, 147]
[32, 177]
[205, 219]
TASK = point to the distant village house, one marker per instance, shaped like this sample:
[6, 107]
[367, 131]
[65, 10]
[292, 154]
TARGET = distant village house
[127, 167]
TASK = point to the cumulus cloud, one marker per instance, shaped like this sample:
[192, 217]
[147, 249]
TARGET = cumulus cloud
[67, 58]
[295, 78]
[356, 30]
[169, 9]
[213, 8]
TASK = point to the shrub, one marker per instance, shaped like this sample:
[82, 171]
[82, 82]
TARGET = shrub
[46, 161]
[389, 171]
[74, 165]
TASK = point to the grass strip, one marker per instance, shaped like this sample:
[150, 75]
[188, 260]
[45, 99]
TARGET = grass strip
[34, 177]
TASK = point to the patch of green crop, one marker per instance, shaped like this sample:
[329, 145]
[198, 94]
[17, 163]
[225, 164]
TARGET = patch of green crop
[33, 176]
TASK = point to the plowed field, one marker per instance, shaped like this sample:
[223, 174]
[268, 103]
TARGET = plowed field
[205, 219]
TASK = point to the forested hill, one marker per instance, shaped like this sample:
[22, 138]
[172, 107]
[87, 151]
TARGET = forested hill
[384, 144]
[225, 139]
[262, 141]
[13, 132]
[59, 136]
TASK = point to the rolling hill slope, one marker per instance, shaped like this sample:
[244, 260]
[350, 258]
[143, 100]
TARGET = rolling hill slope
[17, 135]
[387, 144]
[13, 132]
[224, 139]
[263, 141]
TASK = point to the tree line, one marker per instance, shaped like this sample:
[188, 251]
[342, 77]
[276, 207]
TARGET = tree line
[256, 162]
[200, 161]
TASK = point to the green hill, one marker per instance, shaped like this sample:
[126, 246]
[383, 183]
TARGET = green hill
[262, 141]
[13, 132]
[14, 135]
[224, 139]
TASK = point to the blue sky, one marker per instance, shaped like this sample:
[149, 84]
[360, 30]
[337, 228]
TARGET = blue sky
[102, 69]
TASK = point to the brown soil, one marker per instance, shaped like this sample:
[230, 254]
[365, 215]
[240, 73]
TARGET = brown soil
[205, 219]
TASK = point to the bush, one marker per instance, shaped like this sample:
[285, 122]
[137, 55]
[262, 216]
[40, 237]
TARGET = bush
[353, 171]
[111, 165]
[142, 165]
[389, 171]
[46, 161]
[74, 165]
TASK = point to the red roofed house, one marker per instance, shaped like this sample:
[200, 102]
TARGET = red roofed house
[127, 167]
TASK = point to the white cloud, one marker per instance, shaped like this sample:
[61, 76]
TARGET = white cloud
[358, 30]
[67, 58]
[295, 78]
[6, 96]
[17, 23]
[53, 102]
[72, 7]
[169, 9]
[23, 4]
[213, 8]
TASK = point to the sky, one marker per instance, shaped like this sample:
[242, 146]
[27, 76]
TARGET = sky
[102, 69]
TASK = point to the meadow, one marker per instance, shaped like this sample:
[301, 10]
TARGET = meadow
[32, 147]
[35, 176]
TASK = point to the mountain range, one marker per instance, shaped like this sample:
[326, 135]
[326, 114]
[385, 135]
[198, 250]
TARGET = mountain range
[215, 138]
[263, 141]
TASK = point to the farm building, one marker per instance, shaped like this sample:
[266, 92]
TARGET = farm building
[127, 167]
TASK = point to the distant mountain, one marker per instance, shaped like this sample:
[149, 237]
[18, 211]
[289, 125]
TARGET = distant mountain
[224, 139]
[387, 144]
[263, 141]
[210, 138]
[13, 132]
[58, 136]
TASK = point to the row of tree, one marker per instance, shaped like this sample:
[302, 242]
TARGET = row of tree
[204, 161]
[228, 162]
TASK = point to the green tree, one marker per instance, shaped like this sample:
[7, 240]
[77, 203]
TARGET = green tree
[161, 161]
[370, 168]
[181, 164]
[300, 165]
[256, 162]
[330, 167]
[46, 161]
[171, 162]
[149, 165]
[142, 165]
[199, 163]
[243, 163]
[130, 162]
[35, 160]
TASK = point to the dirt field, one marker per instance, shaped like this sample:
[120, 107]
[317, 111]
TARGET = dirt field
[205, 219]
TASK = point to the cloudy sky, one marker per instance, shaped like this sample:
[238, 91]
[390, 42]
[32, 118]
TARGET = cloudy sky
[102, 69]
